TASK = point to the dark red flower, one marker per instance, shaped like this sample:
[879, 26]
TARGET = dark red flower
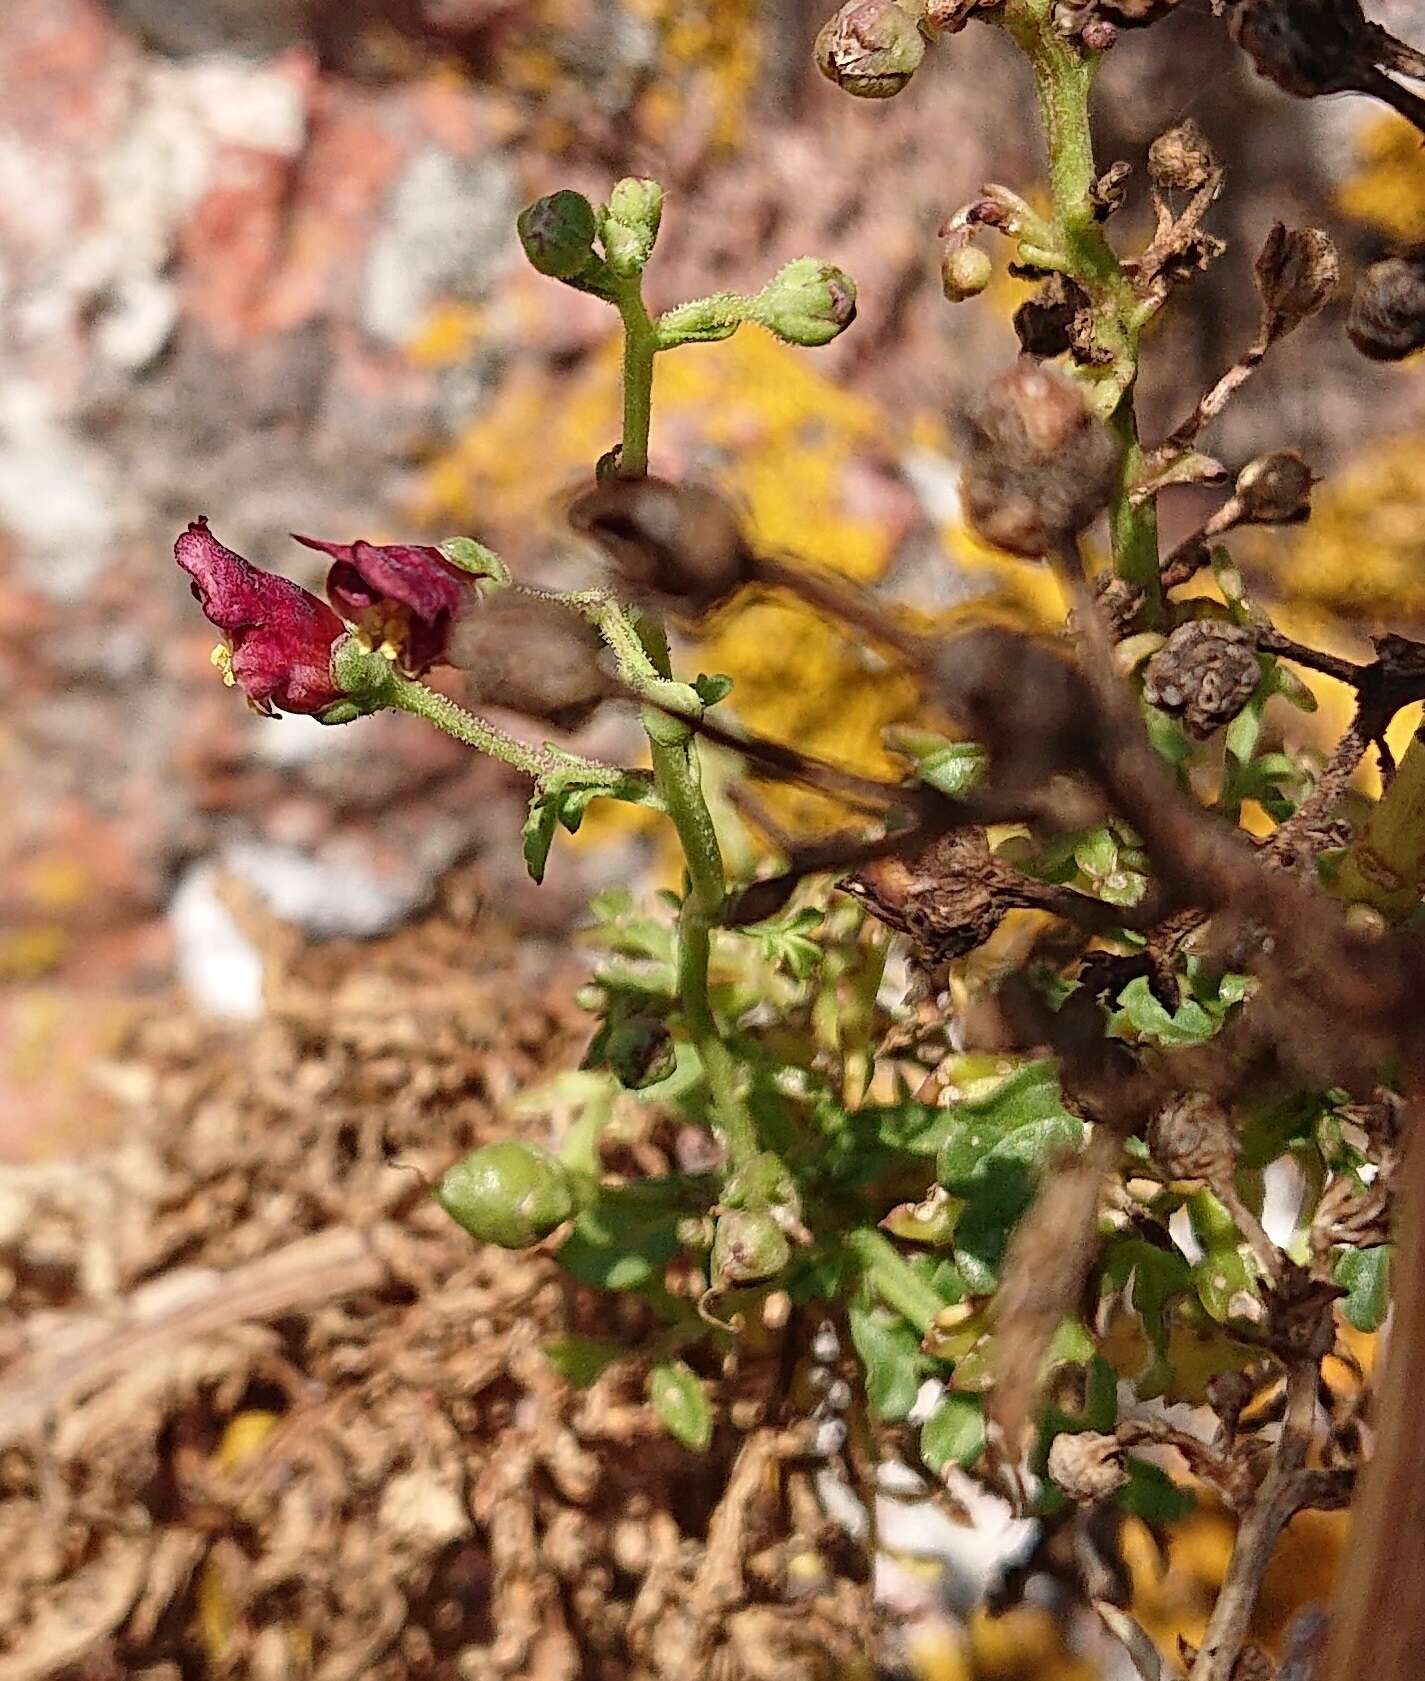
[401, 597]
[278, 636]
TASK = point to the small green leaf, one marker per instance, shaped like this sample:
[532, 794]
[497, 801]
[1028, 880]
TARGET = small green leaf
[1365, 1275]
[537, 836]
[710, 689]
[476, 559]
[579, 1360]
[681, 1403]
[1151, 1494]
[1143, 1017]
[894, 1365]
[950, 767]
[954, 1434]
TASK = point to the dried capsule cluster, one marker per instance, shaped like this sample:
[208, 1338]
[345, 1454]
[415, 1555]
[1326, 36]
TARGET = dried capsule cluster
[1204, 674]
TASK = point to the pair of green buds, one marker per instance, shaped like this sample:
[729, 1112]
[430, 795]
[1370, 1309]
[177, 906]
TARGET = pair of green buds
[515, 1194]
[604, 251]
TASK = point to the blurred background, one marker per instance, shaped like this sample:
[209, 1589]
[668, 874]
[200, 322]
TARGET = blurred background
[258, 262]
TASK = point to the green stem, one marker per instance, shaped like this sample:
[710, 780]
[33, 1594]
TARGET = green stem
[1385, 868]
[539, 763]
[1063, 78]
[640, 345]
[893, 1279]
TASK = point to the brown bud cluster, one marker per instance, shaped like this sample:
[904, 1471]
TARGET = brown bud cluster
[678, 545]
[1190, 1138]
[1088, 1466]
[1204, 674]
[1387, 318]
[1039, 465]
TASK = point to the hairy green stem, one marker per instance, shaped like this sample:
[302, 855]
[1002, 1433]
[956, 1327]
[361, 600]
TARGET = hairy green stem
[640, 346]
[541, 764]
[1063, 78]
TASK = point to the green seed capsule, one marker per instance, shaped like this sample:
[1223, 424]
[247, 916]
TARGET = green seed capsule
[507, 1193]
[558, 232]
[807, 303]
[748, 1247]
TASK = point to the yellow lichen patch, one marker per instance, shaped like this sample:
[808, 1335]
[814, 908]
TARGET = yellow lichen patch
[1387, 188]
[717, 41]
[1025, 1641]
[1363, 551]
[446, 337]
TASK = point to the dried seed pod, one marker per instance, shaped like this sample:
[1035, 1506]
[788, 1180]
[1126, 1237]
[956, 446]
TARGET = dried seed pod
[1088, 1466]
[1387, 319]
[1191, 1138]
[948, 899]
[1297, 270]
[1181, 160]
[965, 271]
[870, 48]
[1043, 323]
[1204, 674]
[678, 544]
[533, 656]
[1039, 465]
[1275, 489]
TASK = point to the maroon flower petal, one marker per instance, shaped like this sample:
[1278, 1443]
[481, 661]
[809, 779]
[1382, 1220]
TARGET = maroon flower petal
[280, 636]
[404, 594]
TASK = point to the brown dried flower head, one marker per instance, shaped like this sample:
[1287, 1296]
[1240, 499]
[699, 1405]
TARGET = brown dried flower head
[1088, 1466]
[1387, 318]
[1190, 1138]
[1181, 160]
[1039, 465]
[1204, 674]
[1297, 271]
[1275, 489]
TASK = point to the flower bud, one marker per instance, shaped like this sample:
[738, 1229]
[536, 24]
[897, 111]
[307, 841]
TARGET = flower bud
[1181, 159]
[965, 271]
[558, 233]
[1088, 1466]
[630, 224]
[807, 303]
[1275, 489]
[1039, 466]
[870, 48]
[639, 1052]
[508, 1193]
[1387, 319]
[1205, 673]
[748, 1247]
[1297, 271]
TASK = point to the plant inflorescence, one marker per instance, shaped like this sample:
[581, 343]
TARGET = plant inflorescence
[1025, 1192]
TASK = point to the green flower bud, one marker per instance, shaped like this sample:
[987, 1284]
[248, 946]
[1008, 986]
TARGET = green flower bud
[748, 1247]
[640, 1052]
[558, 233]
[630, 224]
[808, 302]
[508, 1193]
[871, 48]
[965, 272]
